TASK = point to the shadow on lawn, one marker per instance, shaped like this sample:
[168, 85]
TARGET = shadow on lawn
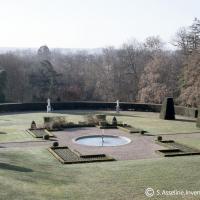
[79, 129]
[14, 168]
[2, 132]
[185, 120]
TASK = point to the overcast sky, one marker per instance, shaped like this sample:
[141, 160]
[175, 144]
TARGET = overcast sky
[91, 23]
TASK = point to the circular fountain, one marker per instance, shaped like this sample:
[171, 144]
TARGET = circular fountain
[102, 140]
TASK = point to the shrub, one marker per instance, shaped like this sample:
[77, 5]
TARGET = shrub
[46, 137]
[55, 144]
[55, 122]
[159, 138]
[167, 110]
[70, 125]
[47, 119]
[198, 118]
[89, 119]
[33, 125]
[82, 123]
[100, 117]
[142, 132]
[103, 123]
[114, 121]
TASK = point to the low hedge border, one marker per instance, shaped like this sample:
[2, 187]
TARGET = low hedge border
[94, 105]
[67, 156]
[39, 133]
[176, 149]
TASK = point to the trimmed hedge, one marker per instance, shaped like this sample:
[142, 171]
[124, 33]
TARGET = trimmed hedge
[198, 119]
[167, 111]
[78, 105]
[185, 111]
[15, 107]
[93, 105]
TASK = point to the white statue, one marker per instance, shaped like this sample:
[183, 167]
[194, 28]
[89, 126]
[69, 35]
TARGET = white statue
[48, 105]
[117, 106]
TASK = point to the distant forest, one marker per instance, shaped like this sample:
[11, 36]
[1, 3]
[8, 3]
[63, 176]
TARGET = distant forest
[136, 72]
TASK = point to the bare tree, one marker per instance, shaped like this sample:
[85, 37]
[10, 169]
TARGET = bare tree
[159, 78]
[190, 82]
[188, 38]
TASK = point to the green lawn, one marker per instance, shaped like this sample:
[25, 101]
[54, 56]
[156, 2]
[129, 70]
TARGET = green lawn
[35, 174]
[150, 122]
[194, 143]
[14, 125]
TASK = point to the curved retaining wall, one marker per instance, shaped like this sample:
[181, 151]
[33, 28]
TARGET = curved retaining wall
[93, 105]
[78, 105]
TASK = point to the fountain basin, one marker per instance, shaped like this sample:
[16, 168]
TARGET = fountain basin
[105, 140]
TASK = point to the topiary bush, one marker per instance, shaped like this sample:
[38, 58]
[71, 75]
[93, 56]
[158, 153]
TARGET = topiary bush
[55, 144]
[33, 125]
[46, 137]
[142, 132]
[114, 121]
[159, 138]
[167, 111]
[198, 118]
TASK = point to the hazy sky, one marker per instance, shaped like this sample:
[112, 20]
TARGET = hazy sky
[91, 23]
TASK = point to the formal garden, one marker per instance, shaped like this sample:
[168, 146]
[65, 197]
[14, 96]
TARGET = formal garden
[99, 154]
[100, 100]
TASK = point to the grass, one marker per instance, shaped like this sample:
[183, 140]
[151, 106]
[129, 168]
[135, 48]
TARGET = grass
[194, 143]
[35, 174]
[150, 122]
[15, 124]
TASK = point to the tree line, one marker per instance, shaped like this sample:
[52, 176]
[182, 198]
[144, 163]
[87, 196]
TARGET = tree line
[136, 72]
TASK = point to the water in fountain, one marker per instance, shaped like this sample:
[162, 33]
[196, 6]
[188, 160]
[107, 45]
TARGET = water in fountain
[102, 140]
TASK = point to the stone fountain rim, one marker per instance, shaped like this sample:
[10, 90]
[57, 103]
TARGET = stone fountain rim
[99, 135]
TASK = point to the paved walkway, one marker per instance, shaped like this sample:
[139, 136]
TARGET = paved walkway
[140, 147]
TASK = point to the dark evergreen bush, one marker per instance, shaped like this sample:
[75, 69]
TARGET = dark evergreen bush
[167, 109]
[142, 132]
[33, 125]
[114, 121]
[55, 144]
[159, 138]
[46, 137]
[198, 118]
[47, 119]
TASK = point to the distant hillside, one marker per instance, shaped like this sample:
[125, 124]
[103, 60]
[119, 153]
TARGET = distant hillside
[62, 50]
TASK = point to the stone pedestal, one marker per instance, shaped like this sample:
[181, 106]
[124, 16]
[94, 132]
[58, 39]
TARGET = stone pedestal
[48, 109]
[48, 105]
[117, 107]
